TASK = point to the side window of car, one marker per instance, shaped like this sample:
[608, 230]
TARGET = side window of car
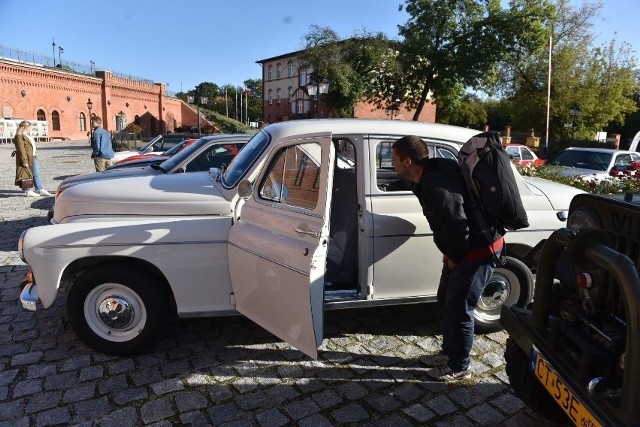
[386, 177]
[526, 154]
[623, 160]
[293, 177]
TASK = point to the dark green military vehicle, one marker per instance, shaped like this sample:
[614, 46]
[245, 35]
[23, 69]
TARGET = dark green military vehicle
[574, 354]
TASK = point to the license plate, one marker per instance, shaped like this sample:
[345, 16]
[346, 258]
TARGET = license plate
[563, 396]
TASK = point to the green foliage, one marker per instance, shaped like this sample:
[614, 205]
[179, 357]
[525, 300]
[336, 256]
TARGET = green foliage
[226, 124]
[134, 129]
[622, 185]
[460, 42]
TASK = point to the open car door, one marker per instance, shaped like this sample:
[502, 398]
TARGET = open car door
[278, 246]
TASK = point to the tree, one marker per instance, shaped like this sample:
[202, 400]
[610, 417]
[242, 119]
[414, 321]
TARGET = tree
[598, 80]
[460, 42]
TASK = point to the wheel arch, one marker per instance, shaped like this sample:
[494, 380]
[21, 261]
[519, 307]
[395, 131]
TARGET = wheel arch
[79, 266]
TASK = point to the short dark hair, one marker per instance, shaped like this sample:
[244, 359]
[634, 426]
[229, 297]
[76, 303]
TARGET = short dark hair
[411, 146]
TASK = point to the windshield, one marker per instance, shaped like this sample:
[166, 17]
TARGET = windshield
[245, 159]
[173, 150]
[150, 143]
[583, 159]
[182, 155]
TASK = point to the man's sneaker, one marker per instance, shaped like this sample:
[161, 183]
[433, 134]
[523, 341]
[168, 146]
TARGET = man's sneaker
[30, 193]
[447, 375]
[45, 193]
[434, 360]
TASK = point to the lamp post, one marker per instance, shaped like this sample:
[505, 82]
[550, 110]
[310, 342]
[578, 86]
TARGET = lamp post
[574, 111]
[53, 49]
[89, 107]
[316, 86]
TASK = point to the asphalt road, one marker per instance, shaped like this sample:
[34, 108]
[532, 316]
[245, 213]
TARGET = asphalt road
[227, 371]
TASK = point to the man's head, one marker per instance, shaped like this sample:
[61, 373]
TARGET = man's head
[409, 154]
[96, 121]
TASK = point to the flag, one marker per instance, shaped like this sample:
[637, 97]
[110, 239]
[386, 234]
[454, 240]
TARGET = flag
[247, 90]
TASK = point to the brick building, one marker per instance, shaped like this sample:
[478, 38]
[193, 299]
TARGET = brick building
[285, 96]
[60, 98]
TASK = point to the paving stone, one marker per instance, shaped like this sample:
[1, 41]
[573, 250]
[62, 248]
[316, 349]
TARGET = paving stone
[112, 384]
[222, 413]
[121, 367]
[194, 419]
[254, 400]
[60, 381]
[43, 401]
[419, 413]
[315, 420]
[129, 395]
[77, 362]
[78, 393]
[40, 370]
[190, 400]
[26, 358]
[92, 408]
[91, 373]
[156, 410]
[485, 415]
[301, 409]
[125, 417]
[352, 391]
[167, 386]
[54, 416]
[382, 403]
[6, 377]
[272, 417]
[27, 387]
[350, 414]
[327, 398]
[441, 405]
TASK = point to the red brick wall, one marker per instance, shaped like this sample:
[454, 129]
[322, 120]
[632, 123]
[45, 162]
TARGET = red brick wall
[67, 93]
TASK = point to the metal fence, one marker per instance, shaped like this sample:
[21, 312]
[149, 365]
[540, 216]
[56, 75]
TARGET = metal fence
[27, 57]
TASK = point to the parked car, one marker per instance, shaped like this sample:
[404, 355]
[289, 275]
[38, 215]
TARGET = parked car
[309, 216]
[591, 163]
[575, 356]
[140, 160]
[157, 145]
[523, 155]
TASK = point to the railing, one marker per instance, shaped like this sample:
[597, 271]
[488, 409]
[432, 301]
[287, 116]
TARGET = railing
[62, 64]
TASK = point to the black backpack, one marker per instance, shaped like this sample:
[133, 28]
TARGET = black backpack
[488, 173]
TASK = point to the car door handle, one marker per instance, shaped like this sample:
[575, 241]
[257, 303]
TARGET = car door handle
[311, 233]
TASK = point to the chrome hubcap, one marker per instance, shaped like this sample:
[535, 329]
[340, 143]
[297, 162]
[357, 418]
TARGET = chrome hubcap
[494, 295]
[116, 312]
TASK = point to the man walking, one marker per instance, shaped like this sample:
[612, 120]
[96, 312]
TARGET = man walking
[468, 258]
[102, 154]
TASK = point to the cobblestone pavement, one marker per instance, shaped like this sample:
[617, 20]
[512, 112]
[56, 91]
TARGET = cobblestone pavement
[227, 371]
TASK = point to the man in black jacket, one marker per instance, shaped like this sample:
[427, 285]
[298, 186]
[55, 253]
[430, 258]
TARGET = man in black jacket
[468, 259]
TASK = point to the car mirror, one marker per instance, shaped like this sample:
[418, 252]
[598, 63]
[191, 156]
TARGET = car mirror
[215, 173]
[245, 189]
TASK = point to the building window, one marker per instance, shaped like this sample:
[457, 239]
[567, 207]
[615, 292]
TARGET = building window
[290, 92]
[270, 72]
[136, 119]
[55, 119]
[41, 116]
[290, 69]
[278, 96]
[300, 106]
[83, 122]
[278, 71]
[270, 96]
[302, 78]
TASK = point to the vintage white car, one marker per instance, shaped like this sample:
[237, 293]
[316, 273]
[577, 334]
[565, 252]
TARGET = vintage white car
[308, 216]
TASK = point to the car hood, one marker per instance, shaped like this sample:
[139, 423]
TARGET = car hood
[109, 174]
[185, 194]
[559, 195]
[579, 172]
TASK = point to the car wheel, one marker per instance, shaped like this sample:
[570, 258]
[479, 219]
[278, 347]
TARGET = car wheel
[117, 311]
[508, 285]
[526, 386]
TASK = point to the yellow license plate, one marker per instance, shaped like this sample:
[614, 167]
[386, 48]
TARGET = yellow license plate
[564, 397]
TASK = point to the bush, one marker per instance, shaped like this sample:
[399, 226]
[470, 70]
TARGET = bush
[613, 185]
[134, 129]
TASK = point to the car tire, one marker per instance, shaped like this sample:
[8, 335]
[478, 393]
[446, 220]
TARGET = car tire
[527, 387]
[511, 284]
[117, 311]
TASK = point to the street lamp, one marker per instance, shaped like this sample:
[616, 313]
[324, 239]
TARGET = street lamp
[574, 111]
[197, 99]
[89, 107]
[316, 86]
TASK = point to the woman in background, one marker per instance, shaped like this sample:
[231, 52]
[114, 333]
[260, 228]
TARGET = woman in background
[27, 165]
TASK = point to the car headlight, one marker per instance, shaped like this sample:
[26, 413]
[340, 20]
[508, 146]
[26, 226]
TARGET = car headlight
[583, 218]
[21, 245]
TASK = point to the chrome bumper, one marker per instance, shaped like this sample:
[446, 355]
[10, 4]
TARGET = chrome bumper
[29, 296]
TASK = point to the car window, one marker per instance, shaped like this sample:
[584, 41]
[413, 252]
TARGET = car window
[386, 177]
[623, 160]
[526, 154]
[582, 159]
[213, 157]
[245, 159]
[293, 177]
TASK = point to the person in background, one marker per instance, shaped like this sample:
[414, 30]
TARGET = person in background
[102, 154]
[468, 258]
[27, 165]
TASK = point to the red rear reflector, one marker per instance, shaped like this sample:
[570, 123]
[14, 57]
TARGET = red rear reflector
[583, 280]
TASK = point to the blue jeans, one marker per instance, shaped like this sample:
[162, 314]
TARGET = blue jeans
[458, 294]
[35, 169]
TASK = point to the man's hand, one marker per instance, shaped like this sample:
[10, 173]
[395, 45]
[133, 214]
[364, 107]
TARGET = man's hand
[450, 264]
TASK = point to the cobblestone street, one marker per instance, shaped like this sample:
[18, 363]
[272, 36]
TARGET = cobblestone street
[226, 371]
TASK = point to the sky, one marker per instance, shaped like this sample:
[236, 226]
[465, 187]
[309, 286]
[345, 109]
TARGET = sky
[188, 42]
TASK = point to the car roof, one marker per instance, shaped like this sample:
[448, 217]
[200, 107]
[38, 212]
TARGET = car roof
[370, 127]
[597, 150]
